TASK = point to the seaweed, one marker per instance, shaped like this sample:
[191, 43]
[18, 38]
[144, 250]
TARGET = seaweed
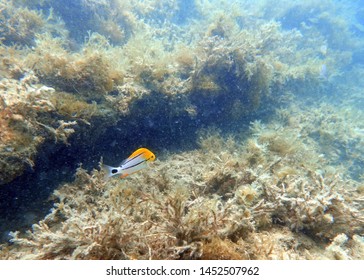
[73, 107]
[288, 187]
[19, 24]
[168, 214]
[90, 71]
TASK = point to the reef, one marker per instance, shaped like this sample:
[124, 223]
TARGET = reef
[211, 203]
[255, 159]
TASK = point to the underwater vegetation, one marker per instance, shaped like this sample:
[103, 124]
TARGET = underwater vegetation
[254, 114]
[194, 203]
[19, 24]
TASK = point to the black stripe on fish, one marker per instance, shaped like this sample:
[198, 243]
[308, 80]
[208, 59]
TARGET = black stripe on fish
[129, 159]
[135, 164]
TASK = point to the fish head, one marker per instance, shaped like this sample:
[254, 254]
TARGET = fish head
[149, 156]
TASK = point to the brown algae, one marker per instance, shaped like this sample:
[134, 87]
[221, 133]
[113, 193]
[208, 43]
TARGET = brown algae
[271, 167]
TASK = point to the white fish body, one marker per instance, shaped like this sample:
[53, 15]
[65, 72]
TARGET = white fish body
[135, 162]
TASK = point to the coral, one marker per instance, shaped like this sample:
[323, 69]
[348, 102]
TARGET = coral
[326, 213]
[62, 132]
[343, 248]
[336, 247]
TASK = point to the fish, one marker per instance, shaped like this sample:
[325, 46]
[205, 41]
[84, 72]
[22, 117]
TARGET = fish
[138, 160]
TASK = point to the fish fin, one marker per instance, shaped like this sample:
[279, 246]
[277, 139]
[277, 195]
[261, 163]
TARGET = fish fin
[109, 170]
[122, 176]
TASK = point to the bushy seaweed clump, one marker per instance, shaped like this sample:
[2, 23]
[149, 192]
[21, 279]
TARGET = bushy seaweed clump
[91, 70]
[18, 25]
